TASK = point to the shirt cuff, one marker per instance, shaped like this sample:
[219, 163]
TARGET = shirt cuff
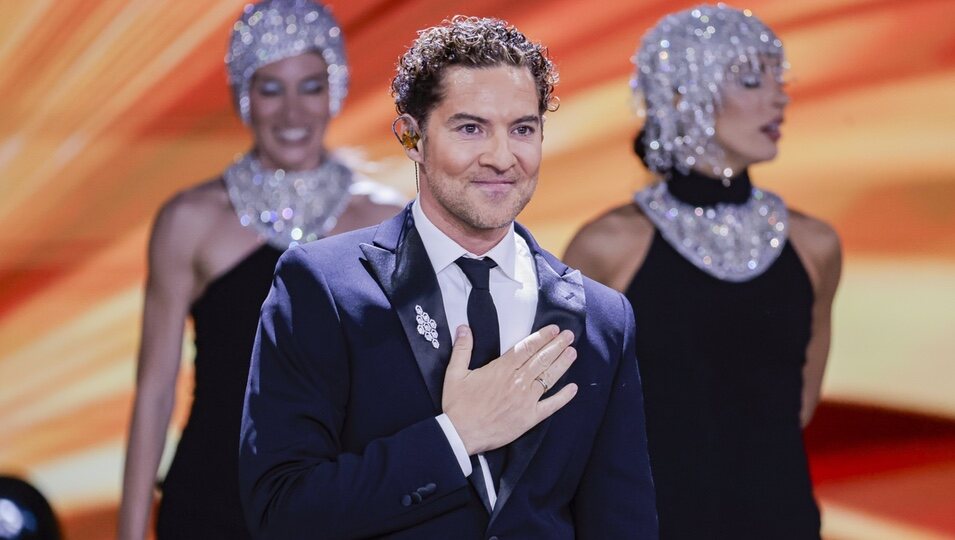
[457, 445]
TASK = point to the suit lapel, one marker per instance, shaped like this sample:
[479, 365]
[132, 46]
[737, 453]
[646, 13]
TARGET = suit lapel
[402, 268]
[560, 301]
[398, 261]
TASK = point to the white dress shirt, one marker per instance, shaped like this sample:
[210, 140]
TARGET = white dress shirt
[513, 285]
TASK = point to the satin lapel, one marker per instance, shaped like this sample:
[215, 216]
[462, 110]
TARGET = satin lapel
[560, 301]
[402, 268]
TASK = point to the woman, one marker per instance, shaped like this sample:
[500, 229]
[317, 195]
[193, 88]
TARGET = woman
[212, 253]
[732, 290]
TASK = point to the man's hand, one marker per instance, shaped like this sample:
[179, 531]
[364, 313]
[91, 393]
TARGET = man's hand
[493, 405]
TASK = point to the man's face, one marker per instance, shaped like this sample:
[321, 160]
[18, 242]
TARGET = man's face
[481, 148]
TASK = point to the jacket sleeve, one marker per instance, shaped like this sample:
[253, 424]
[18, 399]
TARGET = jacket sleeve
[295, 480]
[616, 497]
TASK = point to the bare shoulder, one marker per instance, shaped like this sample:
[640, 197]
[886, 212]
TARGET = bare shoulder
[184, 219]
[370, 204]
[625, 223]
[376, 210]
[815, 237]
[611, 247]
[818, 245]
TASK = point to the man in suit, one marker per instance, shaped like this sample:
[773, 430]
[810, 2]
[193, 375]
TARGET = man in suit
[440, 375]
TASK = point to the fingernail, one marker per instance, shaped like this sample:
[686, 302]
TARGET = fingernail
[462, 331]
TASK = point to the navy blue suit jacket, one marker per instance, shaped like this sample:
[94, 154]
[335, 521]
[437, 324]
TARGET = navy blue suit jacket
[339, 437]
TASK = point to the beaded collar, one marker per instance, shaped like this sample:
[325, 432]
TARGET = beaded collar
[288, 208]
[733, 233]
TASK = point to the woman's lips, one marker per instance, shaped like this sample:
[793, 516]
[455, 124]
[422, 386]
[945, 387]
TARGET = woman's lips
[291, 135]
[772, 131]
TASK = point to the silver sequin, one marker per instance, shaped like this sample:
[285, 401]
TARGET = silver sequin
[732, 242]
[686, 59]
[288, 208]
[273, 30]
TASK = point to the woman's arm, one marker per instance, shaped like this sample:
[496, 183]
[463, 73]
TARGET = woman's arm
[170, 284]
[818, 246]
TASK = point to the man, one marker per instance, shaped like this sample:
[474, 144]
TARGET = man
[361, 421]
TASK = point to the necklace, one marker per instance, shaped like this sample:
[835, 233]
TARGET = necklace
[732, 242]
[288, 208]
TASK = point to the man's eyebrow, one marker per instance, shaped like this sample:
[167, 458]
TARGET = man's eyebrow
[532, 118]
[466, 116]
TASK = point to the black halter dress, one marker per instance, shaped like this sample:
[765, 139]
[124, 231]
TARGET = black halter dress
[200, 494]
[721, 364]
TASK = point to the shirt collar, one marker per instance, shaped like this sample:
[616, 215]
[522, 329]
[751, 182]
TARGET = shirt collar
[443, 251]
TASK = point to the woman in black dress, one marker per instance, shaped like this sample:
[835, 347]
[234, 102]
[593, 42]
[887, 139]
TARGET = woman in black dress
[732, 290]
[212, 253]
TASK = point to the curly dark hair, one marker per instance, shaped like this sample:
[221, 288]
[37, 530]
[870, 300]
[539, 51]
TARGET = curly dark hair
[471, 42]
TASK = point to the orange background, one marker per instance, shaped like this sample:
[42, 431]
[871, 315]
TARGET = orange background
[109, 107]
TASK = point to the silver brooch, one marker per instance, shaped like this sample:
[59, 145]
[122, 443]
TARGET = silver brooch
[427, 327]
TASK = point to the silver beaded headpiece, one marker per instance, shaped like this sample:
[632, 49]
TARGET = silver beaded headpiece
[681, 67]
[274, 30]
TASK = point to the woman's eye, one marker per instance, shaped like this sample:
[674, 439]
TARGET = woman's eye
[270, 88]
[313, 86]
[750, 80]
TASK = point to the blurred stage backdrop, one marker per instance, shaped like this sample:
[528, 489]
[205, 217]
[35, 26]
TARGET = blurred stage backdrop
[107, 107]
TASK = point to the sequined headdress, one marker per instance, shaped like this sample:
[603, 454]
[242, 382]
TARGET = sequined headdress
[273, 30]
[681, 67]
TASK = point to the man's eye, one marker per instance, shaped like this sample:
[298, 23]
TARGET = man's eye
[524, 130]
[469, 129]
[270, 88]
[313, 86]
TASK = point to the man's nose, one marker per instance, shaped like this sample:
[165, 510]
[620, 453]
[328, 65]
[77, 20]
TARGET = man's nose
[498, 154]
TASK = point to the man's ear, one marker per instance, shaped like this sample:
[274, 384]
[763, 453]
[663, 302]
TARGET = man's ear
[407, 132]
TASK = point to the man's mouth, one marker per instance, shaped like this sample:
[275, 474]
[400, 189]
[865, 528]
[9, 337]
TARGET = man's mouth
[494, 185]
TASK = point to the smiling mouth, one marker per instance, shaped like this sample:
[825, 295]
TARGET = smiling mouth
[771, 129]
[494, 185]
[292, 135]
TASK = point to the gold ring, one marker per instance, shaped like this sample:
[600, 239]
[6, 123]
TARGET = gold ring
[541, 380]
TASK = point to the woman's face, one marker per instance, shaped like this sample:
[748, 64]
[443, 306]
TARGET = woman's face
[289, 112]
[749, 117]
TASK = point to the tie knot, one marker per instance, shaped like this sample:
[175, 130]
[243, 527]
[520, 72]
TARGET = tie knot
[477, 270]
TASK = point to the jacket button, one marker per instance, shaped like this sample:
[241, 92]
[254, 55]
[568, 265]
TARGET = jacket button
[427, 489]
[416, 497]
[406, 500]
[493, 538]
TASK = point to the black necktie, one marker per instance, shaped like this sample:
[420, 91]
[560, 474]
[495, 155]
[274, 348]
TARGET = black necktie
[482, 318]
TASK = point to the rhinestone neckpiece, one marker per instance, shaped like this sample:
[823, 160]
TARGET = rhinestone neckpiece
[732, 242]
[288, 207]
